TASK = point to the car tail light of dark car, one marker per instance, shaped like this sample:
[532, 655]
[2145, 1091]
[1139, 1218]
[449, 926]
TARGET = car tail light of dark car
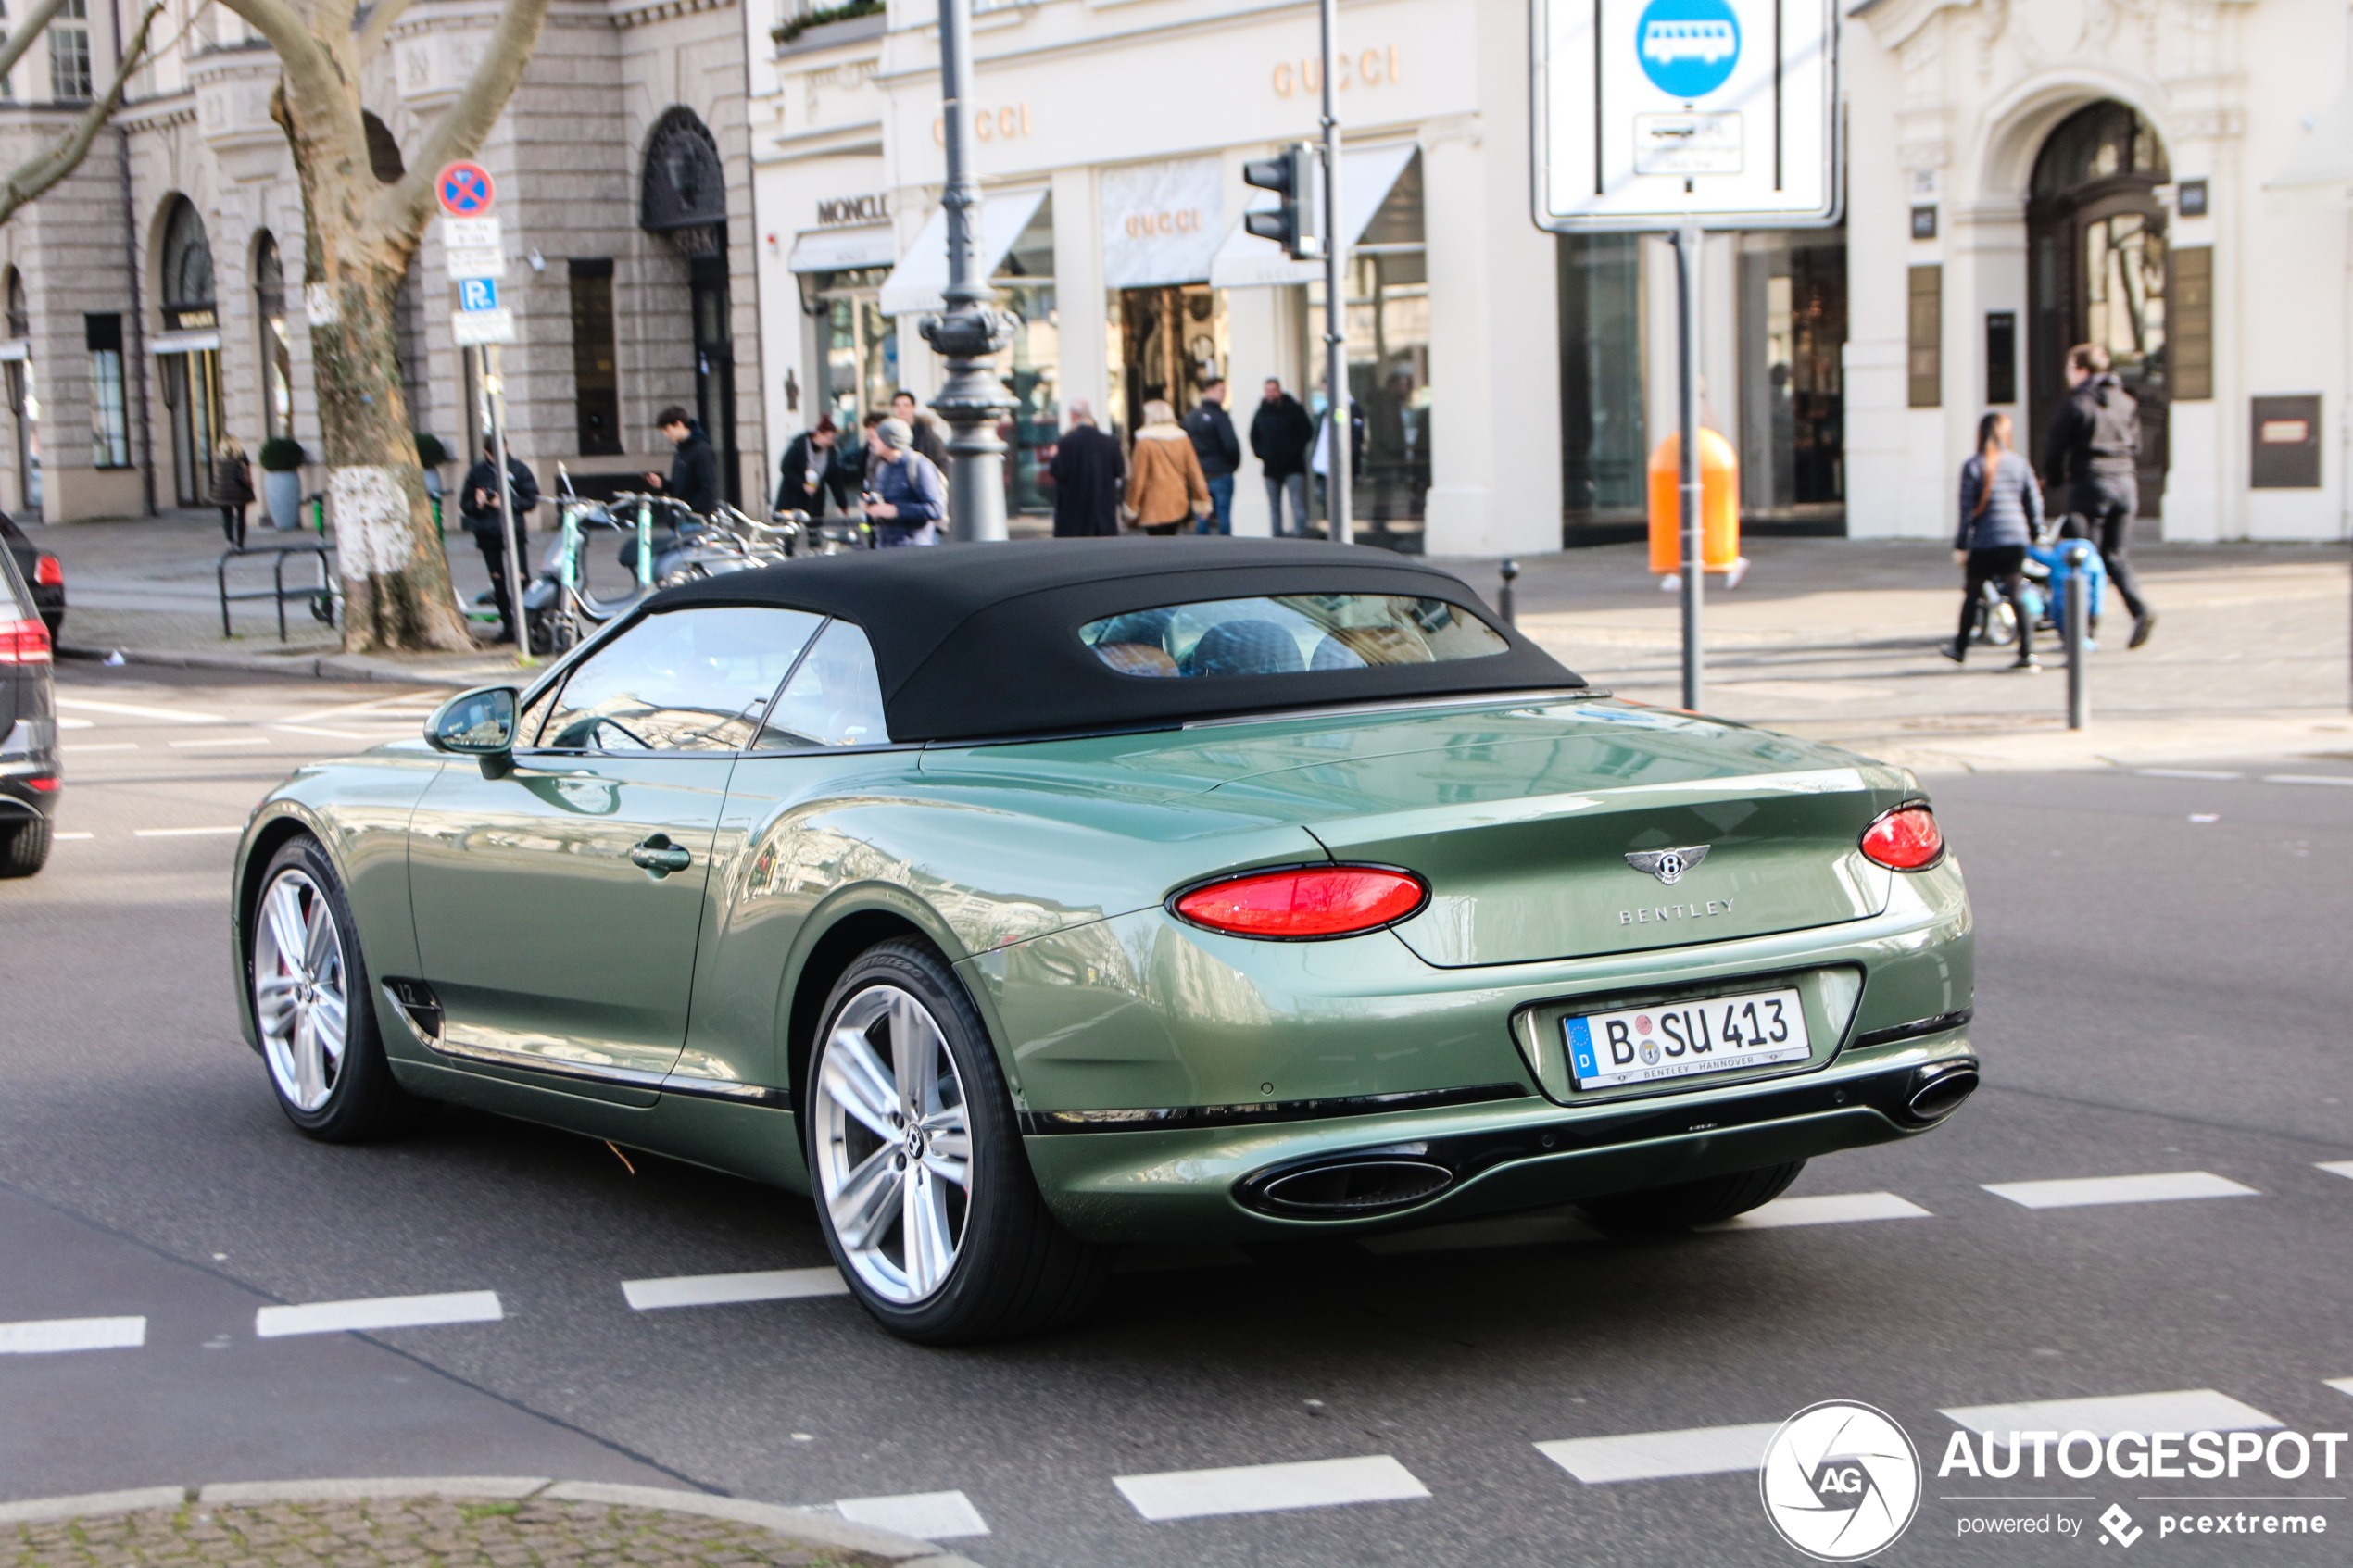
[23, 641]
[48, 572]
[1905, 839]
[1307, 902]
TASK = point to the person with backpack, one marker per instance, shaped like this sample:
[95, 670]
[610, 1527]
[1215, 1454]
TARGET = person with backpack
[2095, 452]
[907, 497]
[2001, 512]
[478, 509]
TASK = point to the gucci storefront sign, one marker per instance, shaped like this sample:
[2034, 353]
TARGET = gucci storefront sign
[1161, 223]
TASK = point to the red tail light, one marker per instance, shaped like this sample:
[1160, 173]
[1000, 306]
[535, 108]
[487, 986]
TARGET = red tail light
[23, 641]
[1905, 839]
[48, 571]
[1307, 902]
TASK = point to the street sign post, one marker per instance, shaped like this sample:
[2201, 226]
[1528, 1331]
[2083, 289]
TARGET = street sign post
[476, 260]
[1684, 115]
[465, 190]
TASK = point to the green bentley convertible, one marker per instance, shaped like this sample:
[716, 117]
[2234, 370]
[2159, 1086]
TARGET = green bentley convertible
[1019, 902]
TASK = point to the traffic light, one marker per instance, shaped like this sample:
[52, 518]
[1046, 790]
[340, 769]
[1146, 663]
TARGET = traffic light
[1293, 224]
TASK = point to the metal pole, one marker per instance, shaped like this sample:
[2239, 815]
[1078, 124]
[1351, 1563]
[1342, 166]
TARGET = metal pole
[1687, 243]
[2078, 630]
[970, 331]
[508, 524]
[1503, 606]
[1339, 518]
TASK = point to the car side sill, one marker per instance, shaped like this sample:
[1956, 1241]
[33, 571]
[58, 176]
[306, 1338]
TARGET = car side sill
[1187, 1117]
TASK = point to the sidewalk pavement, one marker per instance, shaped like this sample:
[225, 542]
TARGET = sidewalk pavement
[1831, 639]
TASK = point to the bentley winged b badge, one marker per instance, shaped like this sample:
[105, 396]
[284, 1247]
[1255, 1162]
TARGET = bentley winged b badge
[1668, 865]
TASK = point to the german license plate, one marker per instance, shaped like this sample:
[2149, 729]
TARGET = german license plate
[1646, 1045]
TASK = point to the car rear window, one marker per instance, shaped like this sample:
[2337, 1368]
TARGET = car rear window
[1289, 635]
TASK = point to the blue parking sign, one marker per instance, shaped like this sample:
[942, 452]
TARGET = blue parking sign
[478, 294]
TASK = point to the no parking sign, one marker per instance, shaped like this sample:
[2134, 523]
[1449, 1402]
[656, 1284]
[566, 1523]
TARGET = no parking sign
[465, 190]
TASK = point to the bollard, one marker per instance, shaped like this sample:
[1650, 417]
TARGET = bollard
[2077, 630]
[1504, 600]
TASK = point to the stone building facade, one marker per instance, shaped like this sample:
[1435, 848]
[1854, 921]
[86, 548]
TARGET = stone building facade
[624, 197]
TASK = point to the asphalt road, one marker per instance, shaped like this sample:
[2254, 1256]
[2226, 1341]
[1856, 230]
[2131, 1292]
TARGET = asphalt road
[2165, 979]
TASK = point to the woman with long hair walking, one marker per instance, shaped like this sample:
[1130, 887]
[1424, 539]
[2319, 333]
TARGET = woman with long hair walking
[231, 489]
[2001, 512]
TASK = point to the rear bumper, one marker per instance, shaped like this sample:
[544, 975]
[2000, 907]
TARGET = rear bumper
[1224, 1184]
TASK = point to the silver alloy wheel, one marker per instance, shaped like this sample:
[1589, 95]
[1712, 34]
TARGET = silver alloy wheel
[299, 998]
[894, 1144]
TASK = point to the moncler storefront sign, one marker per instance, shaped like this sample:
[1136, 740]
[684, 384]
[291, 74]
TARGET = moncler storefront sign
[1161, 223]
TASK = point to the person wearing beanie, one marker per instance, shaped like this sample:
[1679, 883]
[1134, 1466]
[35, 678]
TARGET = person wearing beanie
[906, 494]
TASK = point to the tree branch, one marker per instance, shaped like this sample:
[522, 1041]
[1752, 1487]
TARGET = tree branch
[405, 207]
[64, 156]
[378, 27]
[323, 102]
[20, 41]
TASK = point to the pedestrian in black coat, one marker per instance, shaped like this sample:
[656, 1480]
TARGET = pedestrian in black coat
[694, 470]
[478, 509]
[807, 473]
[1089, 469]
[2093, 458]
[231, 489]
[1280, 433]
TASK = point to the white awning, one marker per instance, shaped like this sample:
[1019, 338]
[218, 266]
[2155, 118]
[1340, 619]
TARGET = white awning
[189, 341]
[1366, 176]
[915, 283]
[843, 250]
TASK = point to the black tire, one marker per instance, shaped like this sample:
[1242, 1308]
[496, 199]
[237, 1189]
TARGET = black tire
[24, 846]
[1656, 1210]
[1016, 1270]
[362, 1101]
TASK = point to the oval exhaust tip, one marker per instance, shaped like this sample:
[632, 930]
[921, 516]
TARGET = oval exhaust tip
[1942, 1094]
[1355, 1186]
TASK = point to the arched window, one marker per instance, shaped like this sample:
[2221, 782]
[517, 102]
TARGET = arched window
[2099, 141]
[187, 270]
[277, 359]
[684, 194]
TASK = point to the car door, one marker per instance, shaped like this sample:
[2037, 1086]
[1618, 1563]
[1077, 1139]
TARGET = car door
[559, 905]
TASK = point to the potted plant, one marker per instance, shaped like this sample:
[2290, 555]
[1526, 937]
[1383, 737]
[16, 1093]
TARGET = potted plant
[282, 460]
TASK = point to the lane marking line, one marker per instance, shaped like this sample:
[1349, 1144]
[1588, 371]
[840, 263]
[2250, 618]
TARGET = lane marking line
[77, 749]
[61, 836]
[927, 1516]
[350, 710]
[179, 832]
[1654, 1456]
[2171, 1187]
[65, 724]
[226, 740]
[72, 1334]
[1829, 1208]
[2341, 780]
[1264, 1489]
[2334, 1167]
[331, 734]
[2185, 773]
[2183, 1410]
[718, 1290]
[374, 1312]
[132, 710]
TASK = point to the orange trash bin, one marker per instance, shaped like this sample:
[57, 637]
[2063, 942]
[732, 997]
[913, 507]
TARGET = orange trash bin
[1719, 506]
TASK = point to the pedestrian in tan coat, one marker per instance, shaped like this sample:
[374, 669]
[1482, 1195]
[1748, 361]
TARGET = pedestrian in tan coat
[1166, 487]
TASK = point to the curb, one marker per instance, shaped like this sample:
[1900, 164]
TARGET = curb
[806, 1525]
[313, 667]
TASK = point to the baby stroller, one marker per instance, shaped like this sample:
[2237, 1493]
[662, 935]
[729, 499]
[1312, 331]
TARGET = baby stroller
[2045, 590]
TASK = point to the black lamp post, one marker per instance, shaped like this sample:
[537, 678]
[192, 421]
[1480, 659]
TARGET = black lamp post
[969, 333]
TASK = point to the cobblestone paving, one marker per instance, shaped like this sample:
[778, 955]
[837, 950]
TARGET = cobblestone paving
[427, 1532]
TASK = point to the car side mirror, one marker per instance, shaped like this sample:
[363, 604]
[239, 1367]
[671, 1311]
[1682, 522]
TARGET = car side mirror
[479, 724]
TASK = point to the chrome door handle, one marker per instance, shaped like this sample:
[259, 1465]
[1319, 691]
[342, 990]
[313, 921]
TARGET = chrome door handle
[660, 857]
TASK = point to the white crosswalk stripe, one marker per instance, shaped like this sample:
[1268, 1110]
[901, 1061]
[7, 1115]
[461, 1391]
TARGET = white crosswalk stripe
[1264, 1489]
[718, 1290]
[1653, 1456]
[375, 1312]
[2183, 1410]
[1829, 1208]
[2337, 1167]
[46, 1335]
[2341, 780]
[2172, 1187]
[927, 1516]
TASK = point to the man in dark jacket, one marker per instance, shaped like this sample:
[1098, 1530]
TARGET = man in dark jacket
[909, 494]
[922, 426]
[1279, 434]
[478, 508]
[1220, 453]
[2093, 457]
[807, 473]
[1088, 469]
[694, 470]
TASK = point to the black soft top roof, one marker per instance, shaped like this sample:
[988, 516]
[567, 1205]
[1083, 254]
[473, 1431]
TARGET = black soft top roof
[977, 642]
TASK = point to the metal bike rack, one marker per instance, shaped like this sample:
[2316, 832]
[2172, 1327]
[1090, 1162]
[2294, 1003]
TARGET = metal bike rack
[326, 588]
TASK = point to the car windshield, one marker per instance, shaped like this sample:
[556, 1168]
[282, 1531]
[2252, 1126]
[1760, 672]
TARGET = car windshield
[1289, 635]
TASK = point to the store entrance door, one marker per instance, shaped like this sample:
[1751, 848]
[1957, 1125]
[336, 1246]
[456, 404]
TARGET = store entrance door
[192, 392]
[1172, 344]
[2096, 272]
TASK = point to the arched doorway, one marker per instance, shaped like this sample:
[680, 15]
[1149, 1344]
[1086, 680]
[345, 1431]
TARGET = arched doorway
[189, 356]
[684, 198]
[2097, 269]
